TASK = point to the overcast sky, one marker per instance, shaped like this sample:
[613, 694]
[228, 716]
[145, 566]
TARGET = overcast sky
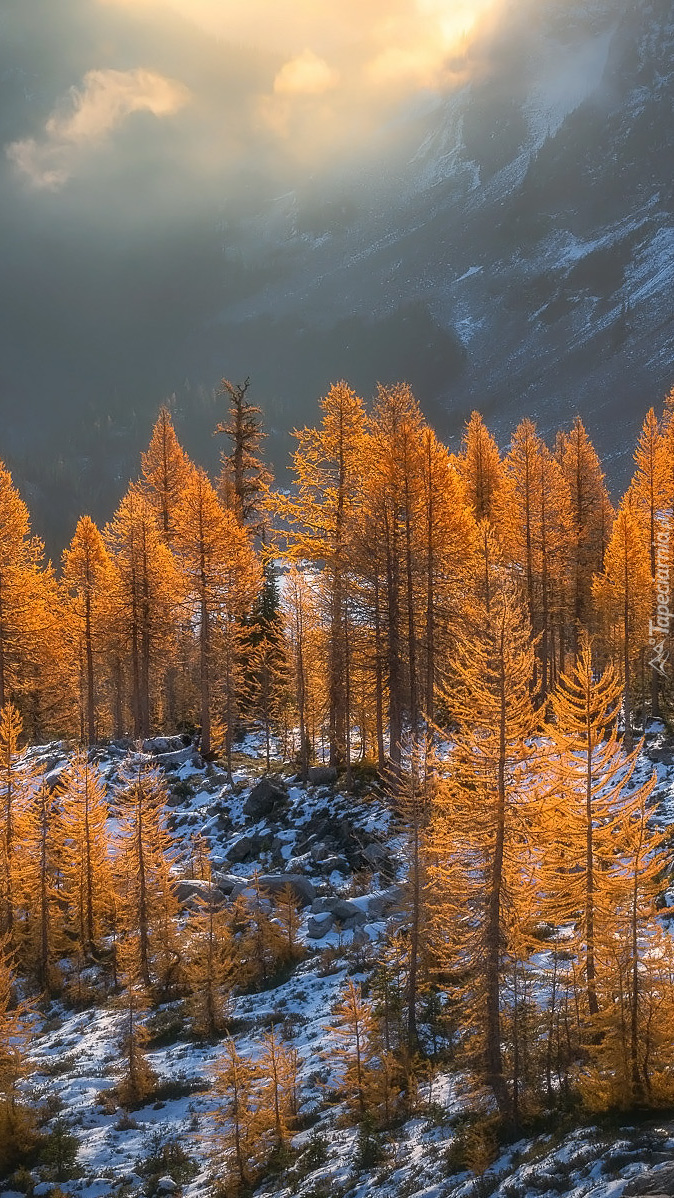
[210, 87]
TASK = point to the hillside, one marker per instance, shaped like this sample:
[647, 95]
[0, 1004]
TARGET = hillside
[344, 855]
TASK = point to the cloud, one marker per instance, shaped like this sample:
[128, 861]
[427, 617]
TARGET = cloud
[305, 75]
[88, 115]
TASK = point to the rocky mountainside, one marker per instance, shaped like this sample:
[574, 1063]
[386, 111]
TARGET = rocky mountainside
[521, 258]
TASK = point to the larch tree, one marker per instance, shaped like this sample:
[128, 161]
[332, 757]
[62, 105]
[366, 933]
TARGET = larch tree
[278, 1096]
[306, 641]
[165, 470]
[41, 935]
[623, 598]
[449, 557]
[17, 1131]
[144, 601]
[24, 618]
[480, 466]
[649, 500]
[141, 852]
[87, 886]
[221, 578]
[534, 523]
[211, 968]
[591, 787]
[138, 1079]
[592, 520]
[236, 1118]
[328, 465]
[354, 1025]
[481, 798]
[14, 783]
[88, 583]
[244, 477]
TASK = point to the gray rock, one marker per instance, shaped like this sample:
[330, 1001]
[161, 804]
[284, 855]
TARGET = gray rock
[224, 882]
[242, 849]
[166, 744]
[179, 757]
[385, 901]
[188, 889]
[319, 925]
[375, 854]
[301, 887]
[267, 795]
[166, 1185]
[321, 775]
[330, 864]
[656, 1182]
[340, 909]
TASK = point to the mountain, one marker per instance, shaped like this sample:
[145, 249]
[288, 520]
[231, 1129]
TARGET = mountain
[522, 260]
[509, 246]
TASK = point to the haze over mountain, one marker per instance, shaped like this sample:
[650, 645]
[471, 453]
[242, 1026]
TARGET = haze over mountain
[476, 198]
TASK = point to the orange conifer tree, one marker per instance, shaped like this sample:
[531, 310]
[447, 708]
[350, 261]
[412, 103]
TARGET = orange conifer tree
[221, 576]
[87, 884]
[481, 800]
[144, 600]
[165, 470]
[480, 467]
[592, 519]
[244, 478]
[88, 582]
[623, 597]
[328, 464]
[142, 850]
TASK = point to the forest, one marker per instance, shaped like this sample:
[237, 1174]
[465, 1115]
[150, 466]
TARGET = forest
[479, 640]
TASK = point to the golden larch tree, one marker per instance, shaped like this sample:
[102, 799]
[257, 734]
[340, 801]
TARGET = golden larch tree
[221, 577]
[142, 850]
[87, 885]
[144, 601]
[623, 596]
[88, 582]
[480, 466]
[328, 465]
[481, 800]
[592, 519]
[165, 468]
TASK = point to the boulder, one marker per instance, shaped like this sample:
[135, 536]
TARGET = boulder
[301, 887]
[266, 796]
[224, 882]
[381, 903]
[321, 775]
[342, 910]
[655, 1182]
[319, 925]
[166, 744]
[331, 864]
[375, 854]
[243, 848]
[179, 757]
[166, 1185]
[189, 889]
